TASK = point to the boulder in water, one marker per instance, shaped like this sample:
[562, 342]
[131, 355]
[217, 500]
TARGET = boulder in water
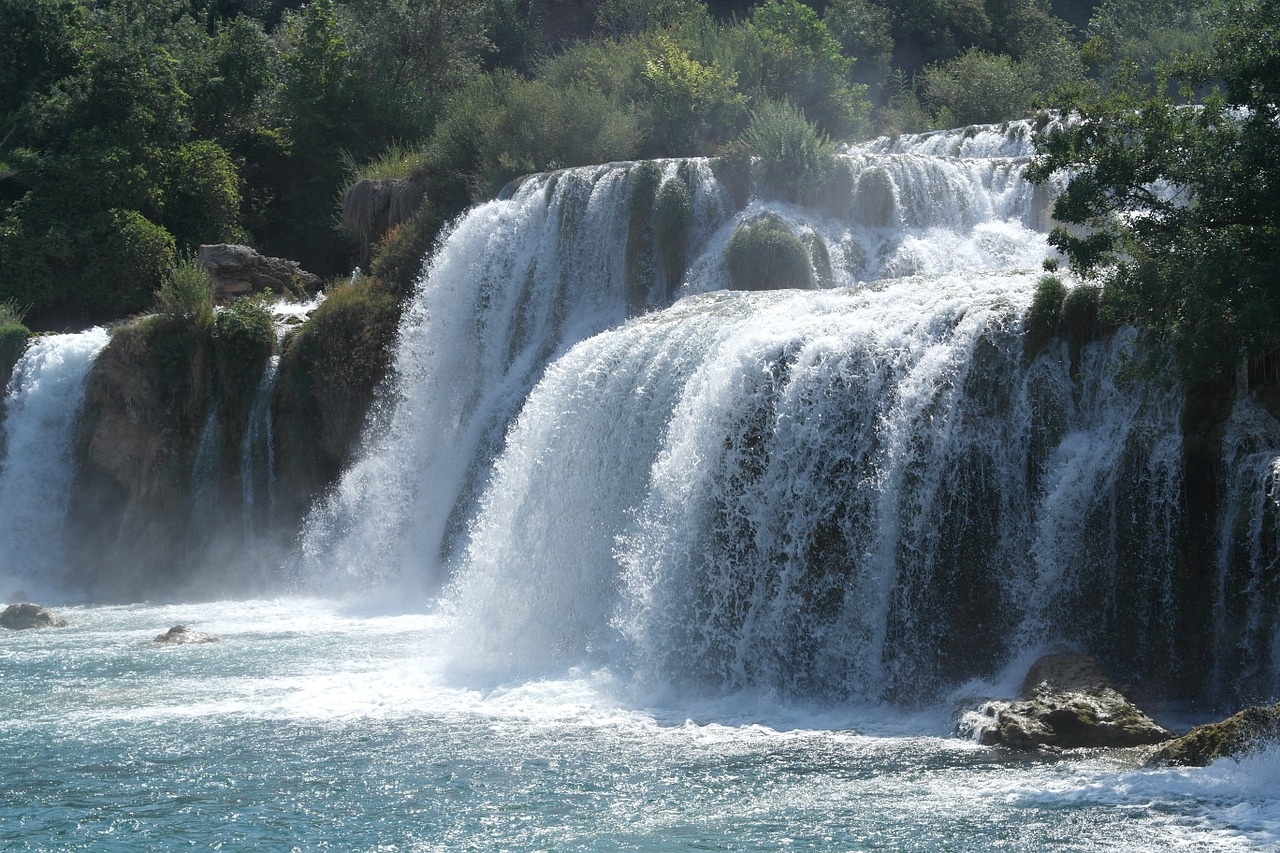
[19, 617]
[238, 270]
[1067, 702]
[180, 635]
[1238, 736]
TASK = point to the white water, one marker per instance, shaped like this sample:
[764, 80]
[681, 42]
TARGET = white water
[40, 409]
[310, 726]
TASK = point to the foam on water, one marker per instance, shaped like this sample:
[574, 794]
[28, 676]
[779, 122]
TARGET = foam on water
[310, 725]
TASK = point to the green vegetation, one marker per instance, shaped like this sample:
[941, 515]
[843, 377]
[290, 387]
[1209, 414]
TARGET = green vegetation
[794, 155]
[764, 254]
[329, 370]
[244, 337]
[132, 131]
[1179, 206]
[13, 340]
[1044, 313]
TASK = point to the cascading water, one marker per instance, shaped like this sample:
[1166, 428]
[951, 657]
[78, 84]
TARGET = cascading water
[876, 491]
[513, 286]
[257, 459]
[41, 403]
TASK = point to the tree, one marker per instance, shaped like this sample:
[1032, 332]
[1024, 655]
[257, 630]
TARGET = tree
[1180, 207]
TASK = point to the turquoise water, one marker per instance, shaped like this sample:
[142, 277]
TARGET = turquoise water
[314, 726]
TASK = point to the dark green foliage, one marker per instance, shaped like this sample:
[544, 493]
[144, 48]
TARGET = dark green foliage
[13, 342]
[794, 156]
[1197, 264]
[329, 370]
[1080, 312]
[186, 294]
[1044, 314]
[244, 337]
[764, 254]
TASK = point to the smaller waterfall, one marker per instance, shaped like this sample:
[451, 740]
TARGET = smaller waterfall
[41, 404]
[257, 459]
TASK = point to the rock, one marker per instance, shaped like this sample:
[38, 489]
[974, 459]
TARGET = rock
[238, 270]
[19, 617]
[180, 635]
[1067, 702]
[1239, 735]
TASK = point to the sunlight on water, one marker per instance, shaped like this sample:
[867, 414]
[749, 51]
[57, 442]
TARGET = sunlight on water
[311, 725]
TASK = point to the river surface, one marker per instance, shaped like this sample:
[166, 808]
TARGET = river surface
[316, 725]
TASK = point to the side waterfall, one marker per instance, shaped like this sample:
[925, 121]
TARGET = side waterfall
[875, 491]
[36, 469]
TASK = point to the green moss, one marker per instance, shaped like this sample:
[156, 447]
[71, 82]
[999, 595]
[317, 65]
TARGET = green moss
[673, 215]
[821, 259]
[1080, 313]
[1245, 733]
[13, 342]
[329, 371]
[399, 257]
[1043, 314]
[733, 171]
[643, 181]
[244, 337]
[763, 254]
[874, 197]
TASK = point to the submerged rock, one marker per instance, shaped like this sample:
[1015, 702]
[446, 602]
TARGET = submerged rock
[19, 617]
[1067, 702]
[1239, 735]
[180, 635]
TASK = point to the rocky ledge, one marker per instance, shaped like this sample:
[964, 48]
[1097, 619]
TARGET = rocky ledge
[20, 617]
[1240, 735]
[1067, 702]
[180, 635]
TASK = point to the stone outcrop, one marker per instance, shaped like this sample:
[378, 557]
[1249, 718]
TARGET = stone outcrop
[1067, 702]
[239, 271]
[181, 635]
[372, 207]
[20, 617]
[1238, 736]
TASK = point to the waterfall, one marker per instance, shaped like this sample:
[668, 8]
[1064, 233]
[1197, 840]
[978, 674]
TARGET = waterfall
[514, 284]
[42, 402]
[257, 459]
[595, 451]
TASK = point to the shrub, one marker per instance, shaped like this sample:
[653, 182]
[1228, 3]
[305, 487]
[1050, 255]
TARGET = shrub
[1080, 312]
[794, 158]
[186, 294]
[763, 254]
[1044, 313]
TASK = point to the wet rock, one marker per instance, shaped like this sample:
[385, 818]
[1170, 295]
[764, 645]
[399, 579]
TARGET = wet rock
[180, 635]
[1067, 702]
[238, 270]
[20, 617]
[1238, 736]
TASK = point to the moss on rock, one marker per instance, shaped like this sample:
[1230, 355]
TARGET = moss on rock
[1240, 735]
[329, 371]
[764, 254]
